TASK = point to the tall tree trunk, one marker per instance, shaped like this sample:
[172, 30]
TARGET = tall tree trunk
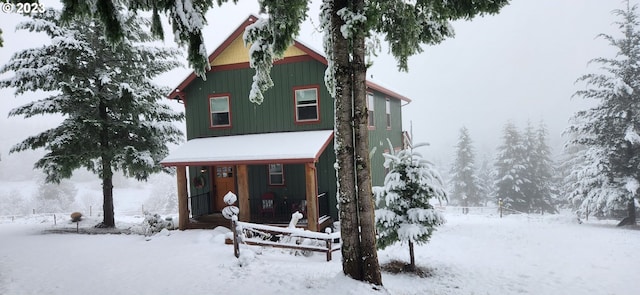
[371, 267]
[631, 211]
[345, 169]
[106, 173]
[412, 257]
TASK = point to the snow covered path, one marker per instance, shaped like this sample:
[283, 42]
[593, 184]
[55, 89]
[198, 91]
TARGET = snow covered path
[469, 255]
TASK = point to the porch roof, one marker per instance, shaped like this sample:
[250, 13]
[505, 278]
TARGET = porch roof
[264, 148]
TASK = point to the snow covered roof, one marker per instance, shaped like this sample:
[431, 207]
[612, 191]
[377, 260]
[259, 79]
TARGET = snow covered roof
[315, 54]
[264, 148]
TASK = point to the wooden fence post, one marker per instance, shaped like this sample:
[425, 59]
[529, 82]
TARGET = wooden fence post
[234, 229]
[500, 206]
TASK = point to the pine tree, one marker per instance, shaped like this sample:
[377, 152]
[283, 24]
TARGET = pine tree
[486, 177]
[610, 130]
[112, 118]
[510, 171]
[570, 159]
[346, 24]
[538, 170]
[404, 212]
[587, 186]
[546, 174]
[464, 181]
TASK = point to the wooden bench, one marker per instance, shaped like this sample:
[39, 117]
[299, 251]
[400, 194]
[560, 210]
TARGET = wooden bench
[283, 237]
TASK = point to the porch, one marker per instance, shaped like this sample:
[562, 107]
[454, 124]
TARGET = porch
[214, 220]
[216, 165]
[283, 207]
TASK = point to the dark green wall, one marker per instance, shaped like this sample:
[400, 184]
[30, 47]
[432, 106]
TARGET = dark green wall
[378, 136]
[275, 114]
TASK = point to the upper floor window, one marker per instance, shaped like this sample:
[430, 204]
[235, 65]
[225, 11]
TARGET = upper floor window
[387, 107]
[371, 110]
[306, 100]
[276, 174]
[220, 111]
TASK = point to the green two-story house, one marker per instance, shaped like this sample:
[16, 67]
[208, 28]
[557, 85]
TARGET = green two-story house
[281, 150]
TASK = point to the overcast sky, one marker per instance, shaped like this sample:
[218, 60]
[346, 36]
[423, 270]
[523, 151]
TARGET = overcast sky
[518, 65]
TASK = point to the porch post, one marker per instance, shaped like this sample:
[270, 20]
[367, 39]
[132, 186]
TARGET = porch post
[312, 196]
[183, 197]
[242, 177]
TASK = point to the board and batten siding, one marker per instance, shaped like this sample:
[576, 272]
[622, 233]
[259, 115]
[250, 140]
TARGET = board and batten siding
[378, 136]
[275, 114]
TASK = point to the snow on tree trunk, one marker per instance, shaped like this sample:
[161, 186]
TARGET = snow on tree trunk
[366, 207]
[344, 147]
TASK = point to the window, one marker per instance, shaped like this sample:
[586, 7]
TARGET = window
[220, 114]
[371, 110]
[306, 100]
[387, 107]
[276, 174]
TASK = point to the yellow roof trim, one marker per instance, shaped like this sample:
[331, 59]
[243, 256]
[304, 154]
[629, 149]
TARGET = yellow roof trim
[236, 53]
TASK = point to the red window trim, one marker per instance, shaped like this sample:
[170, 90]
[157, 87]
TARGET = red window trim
[371, 127]
[295, 105]
[387, 101]
[284, 181]
[228, 96]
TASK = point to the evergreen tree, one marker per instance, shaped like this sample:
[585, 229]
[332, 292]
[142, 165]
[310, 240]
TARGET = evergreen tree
[529, 187]
[545, 173]
[587, 187]
[465, 189]
[346, 24]
[404, 213]
[486, 177]
[570, 159]
[112, 118]
[511, 171]
[538, 170]
[610, 130]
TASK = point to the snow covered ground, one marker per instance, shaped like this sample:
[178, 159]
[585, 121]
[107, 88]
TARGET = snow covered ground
[470, 254]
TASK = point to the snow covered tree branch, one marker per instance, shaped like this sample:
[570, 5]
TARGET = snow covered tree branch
[608, 132]
[112, 118]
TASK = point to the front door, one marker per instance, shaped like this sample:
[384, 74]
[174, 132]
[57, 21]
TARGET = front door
[224, 181]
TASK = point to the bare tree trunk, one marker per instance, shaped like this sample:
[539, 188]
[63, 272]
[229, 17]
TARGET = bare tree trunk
[106, 173]
[412, 257]
[631, 211]
[371, 267]
[351, 256]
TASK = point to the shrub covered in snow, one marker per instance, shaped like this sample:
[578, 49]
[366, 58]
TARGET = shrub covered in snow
[154, 223]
